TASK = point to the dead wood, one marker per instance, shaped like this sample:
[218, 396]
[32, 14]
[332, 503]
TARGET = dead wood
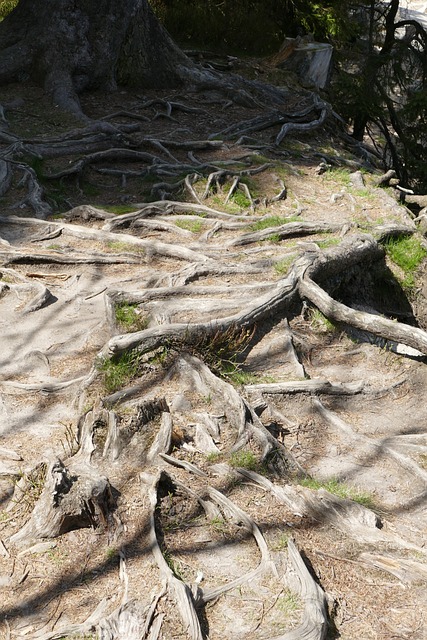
[179, 590]
[5, 177]
[314, 386]
[85, 233]
[320, 505]
[405, 569]
[287, 230]
[72, 497]
[377, 325]
[315, 620]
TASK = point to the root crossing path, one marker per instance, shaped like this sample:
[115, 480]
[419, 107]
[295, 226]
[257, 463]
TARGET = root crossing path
[211, 422]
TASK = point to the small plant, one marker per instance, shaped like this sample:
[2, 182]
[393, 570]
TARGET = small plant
[340, 176]
[281, 544]
[70, 444]
[272, 221]
[218, 524]
[245, 459]
[32, 484]
[241, 200]
[282, 267]
[118, 373]
[422, 459]
[128, 317]
[240, 377]
[119, 209]
[274, 238]
[195, 226]
[407, 253]
[221, 350]
[320, 322]
[111, 553]
[288, 602]
[214, 456]
[327, 242]
[174, 565]
[341, 490]
[124, 247]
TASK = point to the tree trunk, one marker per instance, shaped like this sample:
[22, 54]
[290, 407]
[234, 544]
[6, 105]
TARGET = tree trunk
[87, 45]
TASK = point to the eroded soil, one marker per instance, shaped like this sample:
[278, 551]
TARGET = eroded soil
[370, 446]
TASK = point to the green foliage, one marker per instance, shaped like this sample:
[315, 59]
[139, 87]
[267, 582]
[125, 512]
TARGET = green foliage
[195, 226]
[288, 602]
[341, 490]
[282, 267]
[118, 373]
[320, 322]
[221, 350]
[128, 318]
[240, 377]
[6, 7]
[327, 242]
[119, 209]
[245, 459]
[272, 221]
[241, 200]
[407, 253]
[274, 238]
[124, 247]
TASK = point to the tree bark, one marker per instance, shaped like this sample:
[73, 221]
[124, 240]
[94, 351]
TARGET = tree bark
[87, 45]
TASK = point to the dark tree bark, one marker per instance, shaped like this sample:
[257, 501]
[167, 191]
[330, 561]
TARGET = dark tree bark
[72, 45]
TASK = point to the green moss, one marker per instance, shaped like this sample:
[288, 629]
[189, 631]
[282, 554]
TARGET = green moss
[6, 7]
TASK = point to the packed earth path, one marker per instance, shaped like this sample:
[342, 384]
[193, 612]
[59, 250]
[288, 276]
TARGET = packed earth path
[212, 375]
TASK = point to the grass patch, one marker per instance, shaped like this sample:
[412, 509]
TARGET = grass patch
[341, 490]
[241, 200]
[240, 377]
[274, 238]
[407, 253]
[327, 242]
[272, 221]
[281, 544]
[118, 373]
[340, 176]
[221, 350]
[288, 603]
[282, 267]
[320, 322]
[195, 226]
[120, 209]
[124, 247]
[245, 459]
[128, 318]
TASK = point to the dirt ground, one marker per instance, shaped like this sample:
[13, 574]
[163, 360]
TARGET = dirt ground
[369, 447]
